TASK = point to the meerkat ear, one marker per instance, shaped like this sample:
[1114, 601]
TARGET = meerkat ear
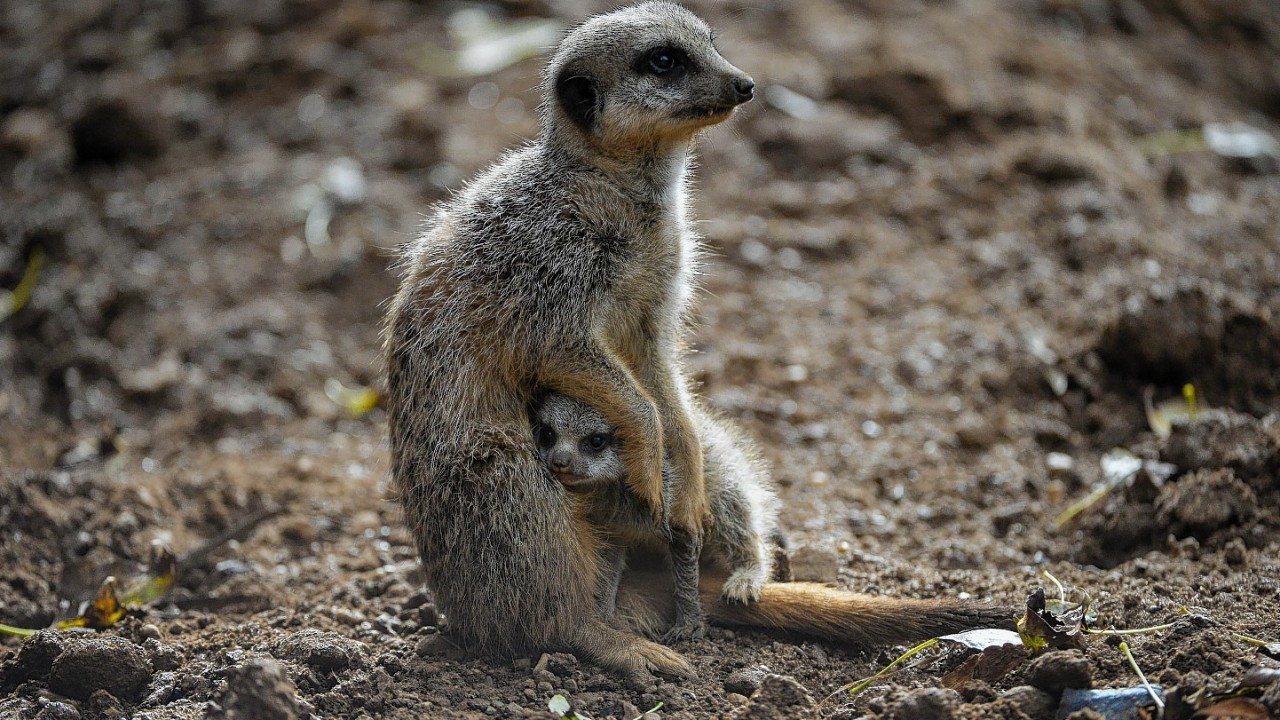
[579, 99]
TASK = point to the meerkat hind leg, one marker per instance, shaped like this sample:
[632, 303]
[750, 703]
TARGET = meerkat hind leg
[630, 654]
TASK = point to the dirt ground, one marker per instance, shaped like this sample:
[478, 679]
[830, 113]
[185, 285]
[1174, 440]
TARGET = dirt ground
[940, 283]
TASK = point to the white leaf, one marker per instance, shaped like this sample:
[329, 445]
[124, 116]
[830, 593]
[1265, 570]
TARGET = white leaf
[984, 638]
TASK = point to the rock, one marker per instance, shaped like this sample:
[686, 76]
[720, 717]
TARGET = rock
[33, 661]
[934, 703]
[161, 689]
[165, 373]
[322, 651]
[26, 130]
[260, 690]
[105, 706]
[1053, 162]
[106, 662]
[779, 697]
[559, 664]
[1235, 552]
[747, 680]
[1060, 464]
[1057, 670]
[974, 432]
[162, 657]
[58, 711]
[813, 564]
[1033, 702]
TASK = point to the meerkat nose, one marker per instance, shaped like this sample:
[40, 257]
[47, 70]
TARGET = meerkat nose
[745, 88]
[559, 462]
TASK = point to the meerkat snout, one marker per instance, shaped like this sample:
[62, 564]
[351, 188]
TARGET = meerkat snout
[560, 460]
[745, 87]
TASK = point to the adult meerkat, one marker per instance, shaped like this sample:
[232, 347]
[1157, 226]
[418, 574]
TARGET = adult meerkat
[580, 447]
[567, 265]
[577, 443]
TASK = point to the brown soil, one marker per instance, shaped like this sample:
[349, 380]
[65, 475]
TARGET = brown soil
[962, 263]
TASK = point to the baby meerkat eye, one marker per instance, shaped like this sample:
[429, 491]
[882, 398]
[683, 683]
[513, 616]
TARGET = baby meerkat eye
[597, 441]
[546, 437]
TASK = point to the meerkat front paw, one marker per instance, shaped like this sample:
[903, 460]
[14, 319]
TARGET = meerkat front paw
[691, 515]
[743, 586]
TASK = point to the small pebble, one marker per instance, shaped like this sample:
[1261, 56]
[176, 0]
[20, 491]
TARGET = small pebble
[347, 616]
[1059, 463]
[58, 711]
[1033, 702]
[746, 681]
[780, 696]
[1060, 669]
[814, 564]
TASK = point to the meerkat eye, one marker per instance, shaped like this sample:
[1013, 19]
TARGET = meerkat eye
[663, 61]
[597, 441]
[546, 437]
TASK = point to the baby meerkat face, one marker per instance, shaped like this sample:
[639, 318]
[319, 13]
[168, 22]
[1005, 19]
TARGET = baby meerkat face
[644, 74]
[576, 443]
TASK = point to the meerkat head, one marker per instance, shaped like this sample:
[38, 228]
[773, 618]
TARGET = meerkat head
[576, 443]
[644, 75]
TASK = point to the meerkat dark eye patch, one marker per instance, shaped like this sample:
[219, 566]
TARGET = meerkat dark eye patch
[546, 437]
[578, 97]
[664, 61]
[598, 441]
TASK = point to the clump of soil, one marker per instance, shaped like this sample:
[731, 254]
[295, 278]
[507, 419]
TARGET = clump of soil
[1221, 493]
[260, 688]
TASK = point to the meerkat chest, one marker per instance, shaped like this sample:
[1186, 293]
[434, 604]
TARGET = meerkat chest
[650, 292]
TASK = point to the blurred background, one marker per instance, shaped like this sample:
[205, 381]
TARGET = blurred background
[954, 244]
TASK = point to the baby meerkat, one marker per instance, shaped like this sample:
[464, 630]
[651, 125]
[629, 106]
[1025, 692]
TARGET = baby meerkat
[579, 446]
[567, 265]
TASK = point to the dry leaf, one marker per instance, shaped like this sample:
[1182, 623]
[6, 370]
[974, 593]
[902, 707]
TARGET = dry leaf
[1235, 708]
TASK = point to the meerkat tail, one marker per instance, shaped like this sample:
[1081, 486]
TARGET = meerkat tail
[809, 610]
[826, 613]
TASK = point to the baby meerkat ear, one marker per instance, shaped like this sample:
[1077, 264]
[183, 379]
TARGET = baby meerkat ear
[577, 94]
